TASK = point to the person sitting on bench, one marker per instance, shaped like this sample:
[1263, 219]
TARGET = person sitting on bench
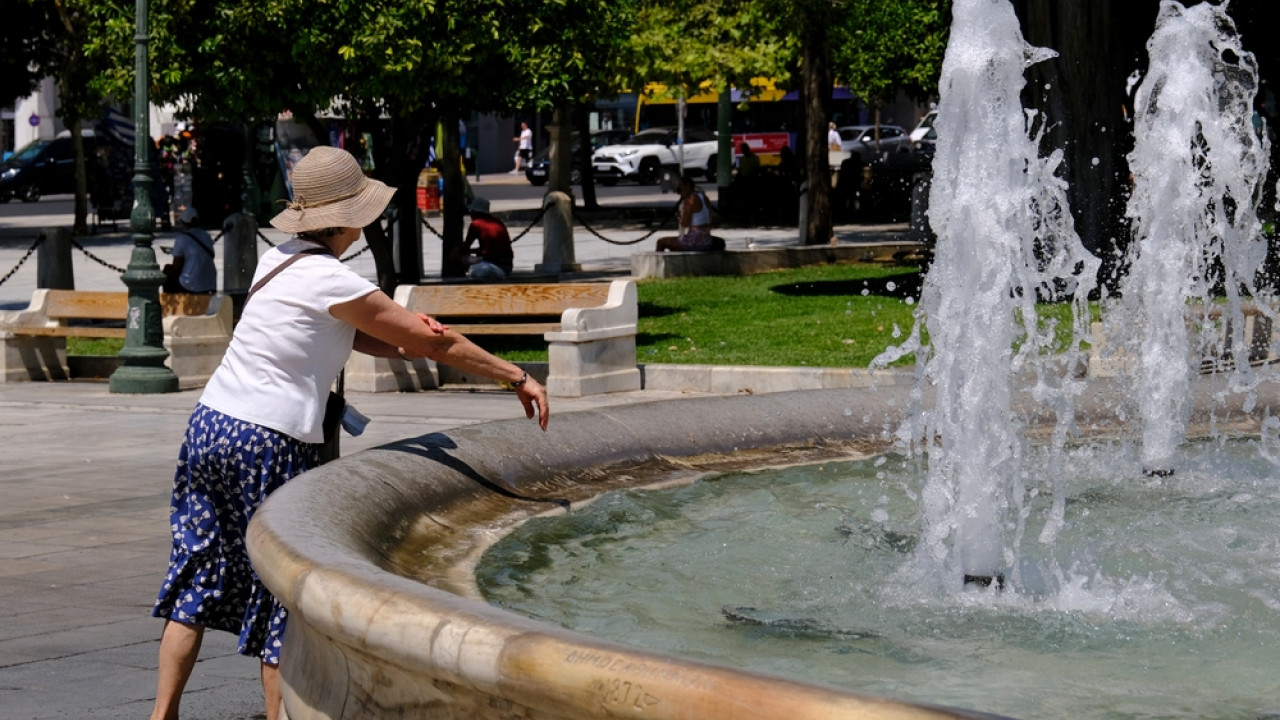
[695, 220]
[192, 270]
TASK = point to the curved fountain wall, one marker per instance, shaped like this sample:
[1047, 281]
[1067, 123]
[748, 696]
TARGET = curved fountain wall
[376, 632]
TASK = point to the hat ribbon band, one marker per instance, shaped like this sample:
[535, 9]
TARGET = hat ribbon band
[301, 203]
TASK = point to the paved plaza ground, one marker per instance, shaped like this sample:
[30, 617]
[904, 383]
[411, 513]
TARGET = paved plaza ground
[85, 480]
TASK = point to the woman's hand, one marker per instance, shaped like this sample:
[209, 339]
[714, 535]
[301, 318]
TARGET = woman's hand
[434, 325]
[534, 399]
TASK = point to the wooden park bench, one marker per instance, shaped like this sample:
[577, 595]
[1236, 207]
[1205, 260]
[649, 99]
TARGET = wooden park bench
[1217, 356]
[590, 329]
[197, 330]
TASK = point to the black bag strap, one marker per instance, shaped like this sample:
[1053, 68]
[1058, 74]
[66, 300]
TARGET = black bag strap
[207, 248]
[280, 268]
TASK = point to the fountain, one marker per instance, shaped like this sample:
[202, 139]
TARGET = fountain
[1005, 242]
[375, 554]
[1198, 168]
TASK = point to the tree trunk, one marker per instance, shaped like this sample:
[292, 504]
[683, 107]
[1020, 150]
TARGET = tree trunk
[404, 160]
[1081, 94]
[816, 89]
[560, 156]
[81, 225]
[454, 202]
[581, 118]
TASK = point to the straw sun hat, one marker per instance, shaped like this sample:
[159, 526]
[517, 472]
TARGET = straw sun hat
[330, 190]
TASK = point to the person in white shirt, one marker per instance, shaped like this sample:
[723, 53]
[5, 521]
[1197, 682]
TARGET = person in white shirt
[524, 151]
[259, 421]
[833, 137]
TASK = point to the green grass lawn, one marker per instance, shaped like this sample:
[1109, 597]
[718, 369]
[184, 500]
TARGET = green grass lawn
[822, 316]
[759, 320]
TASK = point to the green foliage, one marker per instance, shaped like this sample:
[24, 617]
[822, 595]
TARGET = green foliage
[23, 50]
[883, 46]
[685, 43]
[76, 42]
[233, 59]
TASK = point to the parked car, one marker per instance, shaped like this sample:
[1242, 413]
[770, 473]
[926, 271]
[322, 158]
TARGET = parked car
[42, 167]
[539, 170]
[643, 157]
[861, 139]
[927, 145]
[924, 127]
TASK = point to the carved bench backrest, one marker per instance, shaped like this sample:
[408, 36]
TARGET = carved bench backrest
[485, 300]
[114, 305]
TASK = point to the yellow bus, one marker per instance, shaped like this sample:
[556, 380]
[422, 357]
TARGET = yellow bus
[768, 121]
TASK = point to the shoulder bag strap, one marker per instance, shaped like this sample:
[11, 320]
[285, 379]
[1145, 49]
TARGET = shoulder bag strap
[207, 248]
[280, 268]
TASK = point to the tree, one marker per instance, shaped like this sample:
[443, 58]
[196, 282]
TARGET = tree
[811, 20]
[75, 43]
[891, 46]
[399, 67]
[419, 60]
[22, 51]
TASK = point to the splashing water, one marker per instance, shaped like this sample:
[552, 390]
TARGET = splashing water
[1198, 170]
[1005, 240]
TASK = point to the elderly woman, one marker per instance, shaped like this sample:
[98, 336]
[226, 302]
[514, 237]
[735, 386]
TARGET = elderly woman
[258, 422]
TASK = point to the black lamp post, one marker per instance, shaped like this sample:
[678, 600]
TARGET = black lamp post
[143, 353]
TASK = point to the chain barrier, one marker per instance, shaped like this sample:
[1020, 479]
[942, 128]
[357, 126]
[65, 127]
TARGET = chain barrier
[356, 254]
[533, 224]
[30, 250]
[640, 239]
[265, 240]
[75, 243]
[427, 225]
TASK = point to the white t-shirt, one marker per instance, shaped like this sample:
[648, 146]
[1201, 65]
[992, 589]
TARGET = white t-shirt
[199, 273]
[287, 349]
[833, 137]
[526, 139]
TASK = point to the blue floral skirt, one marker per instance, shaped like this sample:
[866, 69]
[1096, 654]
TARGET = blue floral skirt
[226, 468]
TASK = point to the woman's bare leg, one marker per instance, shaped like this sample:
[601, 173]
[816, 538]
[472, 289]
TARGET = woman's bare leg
[271, 689]
[179, 648]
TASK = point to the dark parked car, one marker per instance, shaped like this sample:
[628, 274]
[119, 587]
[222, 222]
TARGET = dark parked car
[539, 170]
[43, 167]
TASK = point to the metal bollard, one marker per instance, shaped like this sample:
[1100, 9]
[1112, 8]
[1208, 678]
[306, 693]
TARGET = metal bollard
[53, 260]
[239, 257]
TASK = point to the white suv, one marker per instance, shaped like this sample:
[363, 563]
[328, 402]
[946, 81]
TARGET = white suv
[646, 153]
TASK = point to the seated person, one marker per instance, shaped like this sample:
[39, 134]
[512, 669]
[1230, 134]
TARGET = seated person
[695, 220]
[495, 257]
[748, 164]
[193, 270]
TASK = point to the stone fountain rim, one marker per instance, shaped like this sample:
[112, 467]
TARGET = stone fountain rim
[337, 585]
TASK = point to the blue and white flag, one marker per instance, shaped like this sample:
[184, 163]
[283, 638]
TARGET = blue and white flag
[118, 125]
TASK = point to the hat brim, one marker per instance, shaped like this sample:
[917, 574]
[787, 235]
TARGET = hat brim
[358, 210]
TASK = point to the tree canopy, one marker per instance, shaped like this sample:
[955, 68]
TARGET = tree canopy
[884, 47]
